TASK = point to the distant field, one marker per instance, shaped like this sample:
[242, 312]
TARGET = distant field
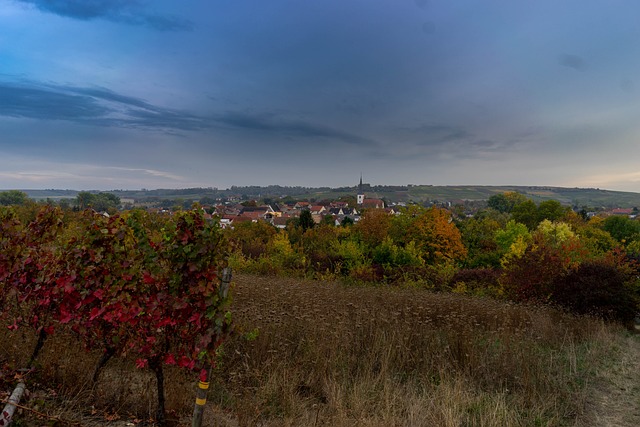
[587, 197]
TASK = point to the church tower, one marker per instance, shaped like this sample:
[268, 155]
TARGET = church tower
[360, 197]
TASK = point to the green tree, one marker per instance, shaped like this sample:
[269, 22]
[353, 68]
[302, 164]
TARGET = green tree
[346, 222]
[84, 200]
[478, 237]
[526, 213]
[622, 228]
[106, 202]
[306, 220]
[505, 202]
[512, 233]
[551, 210]
[13, 198]
[555, 233]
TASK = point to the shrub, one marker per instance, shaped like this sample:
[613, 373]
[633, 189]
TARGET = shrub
[597, 288]
[477, 281]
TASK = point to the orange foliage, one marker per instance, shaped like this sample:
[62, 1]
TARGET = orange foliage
[437, 236]
[374, 226]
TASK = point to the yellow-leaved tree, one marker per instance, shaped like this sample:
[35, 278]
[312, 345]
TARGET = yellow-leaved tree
[437, 237]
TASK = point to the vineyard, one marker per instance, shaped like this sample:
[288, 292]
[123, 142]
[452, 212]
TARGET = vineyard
[132, 286]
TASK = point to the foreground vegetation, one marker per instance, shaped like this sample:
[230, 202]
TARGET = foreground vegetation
[307, 353]
[423, 318]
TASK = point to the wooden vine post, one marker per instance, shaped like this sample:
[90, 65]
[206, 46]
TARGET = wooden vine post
[7, 412]
[203, 384]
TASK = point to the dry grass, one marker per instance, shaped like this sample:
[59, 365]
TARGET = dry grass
[331, 355]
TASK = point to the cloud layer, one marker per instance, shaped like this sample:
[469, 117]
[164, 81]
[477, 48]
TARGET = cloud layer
[312, 93]
[122, 11]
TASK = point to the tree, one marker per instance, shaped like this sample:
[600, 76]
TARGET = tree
[526, 213]
[84, 199]
[328, 220]
[251, 238]
[555, 233]
[437, 237]
[622, 228]
[505, 202]
[478, 237]
[513, 239]
[306, 220]
[13, 198]
[106, 202]
[551, 210]
[374, 226]
[346, 222]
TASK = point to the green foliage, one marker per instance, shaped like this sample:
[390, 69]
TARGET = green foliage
[555, 233]
[512, 233]
[551, 210]
[282, 255]
[478, 236]
[13, 198]
[526, 213]
[505, 202]
[351, 254]
[390, 255]
[477, 281]
[100, 202]
[346, 222]
[305, 221]
[622, 228]
[597, 240]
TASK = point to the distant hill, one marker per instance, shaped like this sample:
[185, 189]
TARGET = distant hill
[581, 197]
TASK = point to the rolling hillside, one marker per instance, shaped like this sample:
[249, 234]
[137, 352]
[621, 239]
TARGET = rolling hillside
[588, 197]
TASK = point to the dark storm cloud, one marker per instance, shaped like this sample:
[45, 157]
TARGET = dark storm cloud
[122, 11]
[39, 103]
[285, 127]
[102, 107]
[91, 106]
[572, 61]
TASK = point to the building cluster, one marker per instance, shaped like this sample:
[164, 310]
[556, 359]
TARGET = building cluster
[280, 214]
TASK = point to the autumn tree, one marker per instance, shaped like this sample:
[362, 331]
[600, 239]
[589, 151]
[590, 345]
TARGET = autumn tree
[251, 237]
[437, 237]
[374, 226]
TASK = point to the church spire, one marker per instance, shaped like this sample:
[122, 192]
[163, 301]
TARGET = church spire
[360, 198]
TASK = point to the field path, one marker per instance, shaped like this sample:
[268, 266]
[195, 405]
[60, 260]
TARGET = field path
[615, 400]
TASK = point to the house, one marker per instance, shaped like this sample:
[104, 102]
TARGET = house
[373, 204]
[258, 212]
[317, 210]
[302, 205]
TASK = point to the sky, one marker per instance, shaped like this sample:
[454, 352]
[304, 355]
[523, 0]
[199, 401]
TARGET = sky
[130, 94]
